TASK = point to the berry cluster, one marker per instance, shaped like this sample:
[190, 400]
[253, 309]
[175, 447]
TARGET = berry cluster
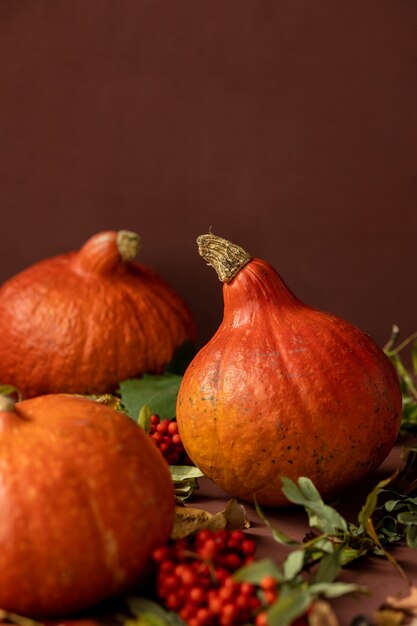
[165, 435]
[195, 579]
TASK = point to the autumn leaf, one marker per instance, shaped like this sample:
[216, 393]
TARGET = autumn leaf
[408, 603]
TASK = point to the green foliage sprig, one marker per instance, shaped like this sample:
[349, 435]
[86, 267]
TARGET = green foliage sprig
[407, 375]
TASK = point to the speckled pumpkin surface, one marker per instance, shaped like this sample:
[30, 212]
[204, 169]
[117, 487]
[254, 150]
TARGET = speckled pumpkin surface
[83, 321]
[285, 390]
[85, 497]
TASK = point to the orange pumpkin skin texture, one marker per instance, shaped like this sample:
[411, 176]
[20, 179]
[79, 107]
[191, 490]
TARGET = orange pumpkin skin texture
[83, 321]
[85, 498]
[285, 390]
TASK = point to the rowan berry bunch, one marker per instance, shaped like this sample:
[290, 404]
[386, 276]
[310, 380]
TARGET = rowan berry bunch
[166, 437]
[194, 578]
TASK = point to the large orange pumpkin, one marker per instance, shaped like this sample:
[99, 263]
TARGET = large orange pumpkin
[81, 322]
[85, 497]
[283, 389]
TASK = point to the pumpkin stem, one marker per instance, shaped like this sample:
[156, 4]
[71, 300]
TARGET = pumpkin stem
[128, 244]
[6, 405]
[226, 257]
[106, 251]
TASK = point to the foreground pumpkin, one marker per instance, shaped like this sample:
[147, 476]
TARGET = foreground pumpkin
[283, 389]
[83, 321]
[86, 496]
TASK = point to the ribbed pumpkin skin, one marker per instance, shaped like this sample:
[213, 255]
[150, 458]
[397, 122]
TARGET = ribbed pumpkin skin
[285, 390]
[85, 498]
[81, 322]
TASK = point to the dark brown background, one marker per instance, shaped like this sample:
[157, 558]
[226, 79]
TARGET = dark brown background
[288, 126]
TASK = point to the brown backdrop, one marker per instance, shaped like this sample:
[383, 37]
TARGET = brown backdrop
[289, 126]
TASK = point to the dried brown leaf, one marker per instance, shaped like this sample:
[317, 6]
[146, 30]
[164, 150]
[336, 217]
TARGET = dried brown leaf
[408, 603]
[188, 520]
[322, 614]
[389, 617]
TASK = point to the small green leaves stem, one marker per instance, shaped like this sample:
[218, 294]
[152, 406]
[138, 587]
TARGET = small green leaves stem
[311, 568]
[407, 377]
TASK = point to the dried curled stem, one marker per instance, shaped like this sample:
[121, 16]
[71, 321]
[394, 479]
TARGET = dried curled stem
[226, 257]
[128, 244]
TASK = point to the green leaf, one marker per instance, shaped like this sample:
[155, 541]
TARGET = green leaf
[255, 572]
[309, 490]
[368, 508]
[409, 518]
[150, 613]
[184, 472]
[291, 603]
[293, 564]
[390, 505]
[411, 536]
[144, 419]
[336, 589]
[185, 490]
[351, 554]
[330, 566]
[414, 357]
[185, 480]
[321, 515]
[157, 392]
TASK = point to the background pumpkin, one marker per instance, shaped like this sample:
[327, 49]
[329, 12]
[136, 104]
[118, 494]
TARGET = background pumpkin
[82, 321]
[282, 389]
[85, 498]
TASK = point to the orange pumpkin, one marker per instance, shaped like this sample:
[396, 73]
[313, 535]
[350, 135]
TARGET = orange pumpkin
[83, 321]
[283, 389]
[85, 498]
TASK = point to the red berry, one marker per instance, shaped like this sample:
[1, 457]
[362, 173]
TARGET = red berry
[170, 582]
[160, 554]
[196, 595]
[173, 601]
[209, 549]
[270, 596]
[221, 574]
[187, 612]
[247, 589]
[228, 615]
[166, 567]
[215, 604]
[203, 535]
[248, 547]
[268, 583]
[172, 428]
[232, 561]
[204, 616]
[226, 593]
[261, 619]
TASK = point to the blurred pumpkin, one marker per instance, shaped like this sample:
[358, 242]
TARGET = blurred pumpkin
[85, 498]
[283, 389]
[82, 321]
